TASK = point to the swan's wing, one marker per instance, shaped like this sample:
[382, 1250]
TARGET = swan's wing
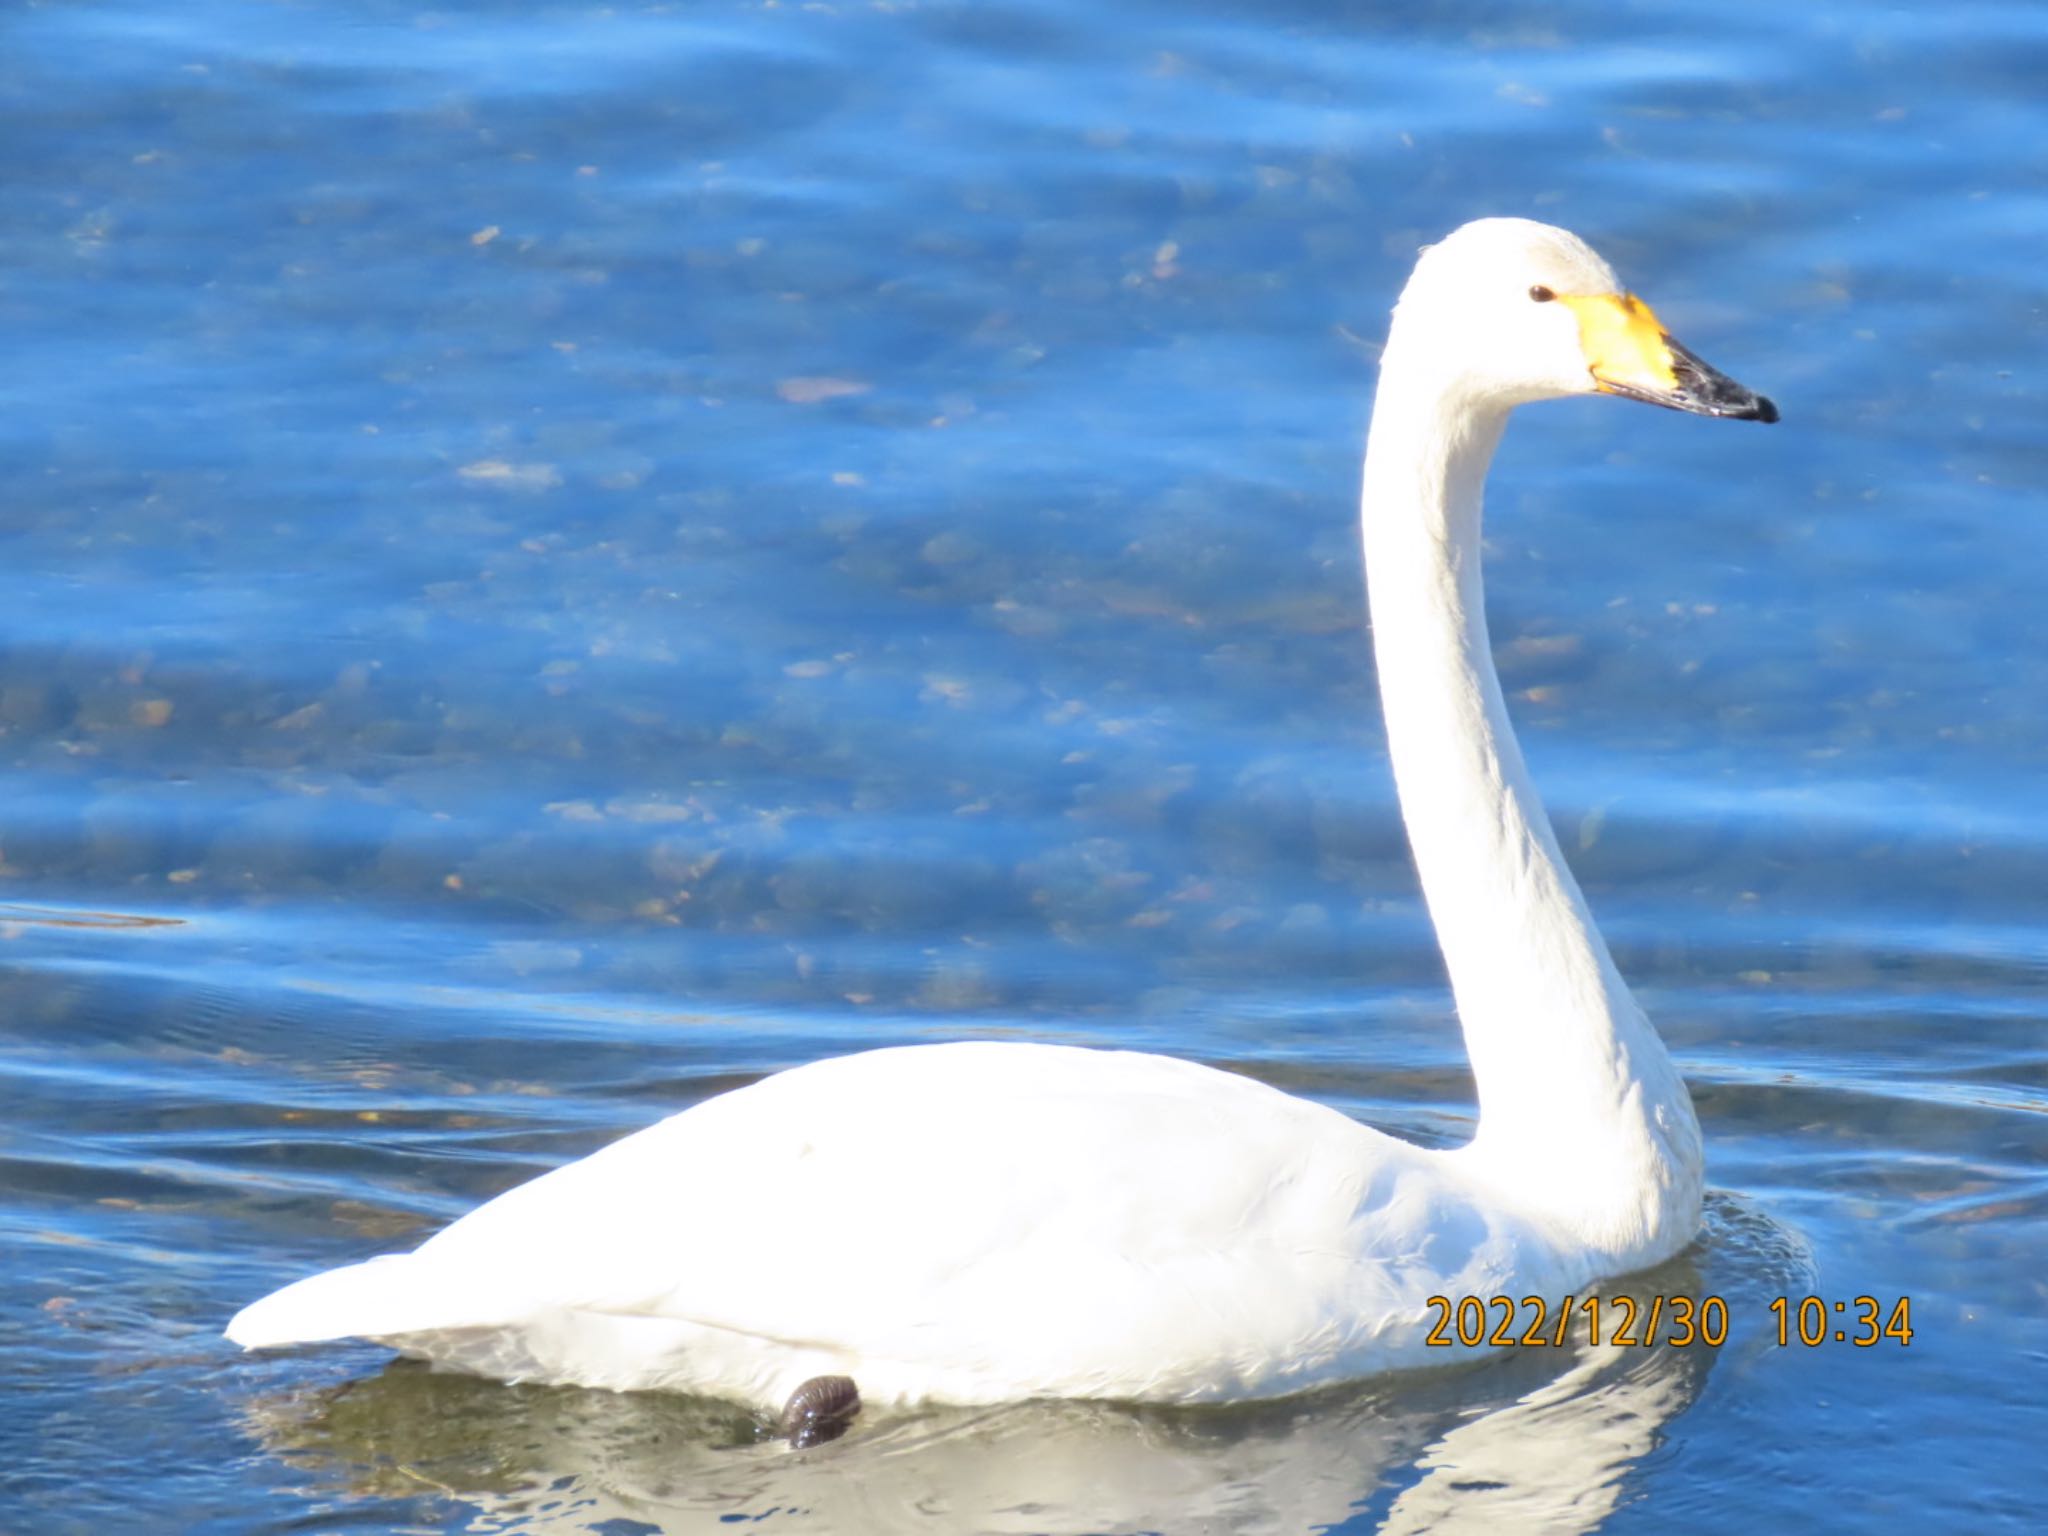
[1011, 1210]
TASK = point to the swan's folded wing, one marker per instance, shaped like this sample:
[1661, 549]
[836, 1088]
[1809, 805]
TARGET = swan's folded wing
[1024, 1208]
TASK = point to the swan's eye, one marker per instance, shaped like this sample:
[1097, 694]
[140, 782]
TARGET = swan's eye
[1541, 294]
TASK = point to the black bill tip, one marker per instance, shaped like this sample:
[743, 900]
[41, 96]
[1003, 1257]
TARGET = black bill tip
[1706, 391]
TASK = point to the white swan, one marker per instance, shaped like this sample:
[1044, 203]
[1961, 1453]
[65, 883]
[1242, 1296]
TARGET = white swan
[984, 1222]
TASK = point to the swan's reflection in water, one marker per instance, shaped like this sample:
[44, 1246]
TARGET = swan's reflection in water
[1527, 1440]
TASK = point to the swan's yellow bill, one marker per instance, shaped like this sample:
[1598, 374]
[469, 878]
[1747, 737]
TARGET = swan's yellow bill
[1629, 353]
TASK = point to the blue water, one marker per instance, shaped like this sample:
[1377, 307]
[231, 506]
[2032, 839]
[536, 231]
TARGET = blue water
[555, 560]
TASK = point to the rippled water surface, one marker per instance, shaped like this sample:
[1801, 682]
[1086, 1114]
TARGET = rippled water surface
[554, 560]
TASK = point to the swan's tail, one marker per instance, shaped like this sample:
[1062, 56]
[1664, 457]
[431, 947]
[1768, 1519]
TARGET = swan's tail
[380, 1298]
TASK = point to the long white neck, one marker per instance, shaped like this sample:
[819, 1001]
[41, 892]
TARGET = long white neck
[1583, 1116]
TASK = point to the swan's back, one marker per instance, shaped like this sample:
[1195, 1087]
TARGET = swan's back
[976, 1221]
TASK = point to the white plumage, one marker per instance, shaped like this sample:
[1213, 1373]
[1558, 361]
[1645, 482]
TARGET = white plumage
[972, 1223]
[984, 1222]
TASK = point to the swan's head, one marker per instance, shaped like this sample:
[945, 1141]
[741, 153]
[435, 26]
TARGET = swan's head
[1512, 310]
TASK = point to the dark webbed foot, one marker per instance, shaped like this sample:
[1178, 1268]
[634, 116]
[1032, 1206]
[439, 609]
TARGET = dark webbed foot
[820, 1410]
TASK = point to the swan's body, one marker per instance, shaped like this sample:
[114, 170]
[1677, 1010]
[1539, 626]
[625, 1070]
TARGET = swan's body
[970, 1223]
[985, 1222]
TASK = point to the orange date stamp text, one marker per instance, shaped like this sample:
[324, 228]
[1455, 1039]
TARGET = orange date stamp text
[1534, 1322]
